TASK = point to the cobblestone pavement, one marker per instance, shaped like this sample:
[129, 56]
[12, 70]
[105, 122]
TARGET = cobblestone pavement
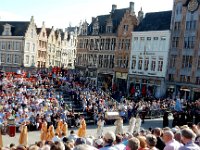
[91, 130]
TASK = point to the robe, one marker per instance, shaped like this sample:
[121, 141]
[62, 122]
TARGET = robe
[82, 129]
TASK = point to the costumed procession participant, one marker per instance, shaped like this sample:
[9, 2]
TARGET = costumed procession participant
[59, 128]
[23, 138]
[138, 122]
[50, 133]
[82, 129]
[43, 135]
[100, 125]
[64, 129]
[131, 125]
[119, 126]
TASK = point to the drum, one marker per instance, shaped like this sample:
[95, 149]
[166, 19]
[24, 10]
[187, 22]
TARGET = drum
[11, 130]
[112, 115]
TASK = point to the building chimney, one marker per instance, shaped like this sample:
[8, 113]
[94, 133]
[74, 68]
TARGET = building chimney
[131, 8]
[140, 15]
[113, 8]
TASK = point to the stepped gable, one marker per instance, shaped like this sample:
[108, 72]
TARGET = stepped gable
[18, 27]
[155, 21]
[116, 17]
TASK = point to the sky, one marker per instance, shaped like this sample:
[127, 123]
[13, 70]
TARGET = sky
[62, 13]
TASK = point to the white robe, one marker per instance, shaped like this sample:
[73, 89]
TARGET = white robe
[131, 125]
[119, 126]
[100, 125]
[137, 125]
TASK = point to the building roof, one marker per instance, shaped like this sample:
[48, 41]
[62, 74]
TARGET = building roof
[18, 28]
[38, 30]
[48, 30]
[116, 17]
[155, 21]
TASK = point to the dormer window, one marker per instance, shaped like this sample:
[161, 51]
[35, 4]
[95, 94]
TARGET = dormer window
[109, 29]
[7, 30]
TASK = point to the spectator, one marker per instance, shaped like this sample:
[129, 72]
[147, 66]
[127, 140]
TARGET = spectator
[159, 144]
[133, 144]
[143, 144]
[187, 137]
[72, 135]
[151, 141]
[56, 138]
[84, 147]
[109, 139]
[171, 143]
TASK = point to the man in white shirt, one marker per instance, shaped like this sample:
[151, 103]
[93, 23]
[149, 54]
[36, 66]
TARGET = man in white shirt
[170, 142]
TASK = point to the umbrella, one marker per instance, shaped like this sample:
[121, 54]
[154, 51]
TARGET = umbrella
[23, 138]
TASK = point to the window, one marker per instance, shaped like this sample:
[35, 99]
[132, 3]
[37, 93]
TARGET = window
[32, 61]
[155, 38]
[2, 58]
[175, 42]
[148, 38]
[27, 46]
[125, 27]
[127, 44]
[3, 45]
[16, 59]
[178, 8]
[16, 45]
[163, 38]
[177, 26]
[171, 77]
[135, 38]
[172, 61]
[191, 25]
[187, 61]
[109, 29]
[33, 47]
[133, 65]
[185, 79]
[189, 42]
[153, 64]
[27, 59]
[140, 63]
[146, 64]
[198, 65]
[9, 44]
[8, 58]
[198, 80]
[142, 38]
[160, 64]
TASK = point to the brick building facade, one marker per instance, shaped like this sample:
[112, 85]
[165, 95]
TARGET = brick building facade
[184, 63]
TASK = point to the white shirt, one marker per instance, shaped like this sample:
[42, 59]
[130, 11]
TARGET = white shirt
[56, 139]
[172, 145]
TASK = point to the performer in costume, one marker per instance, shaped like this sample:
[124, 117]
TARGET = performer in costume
[82, 129]
[131, 125]
[119, 126]
[51, 133]
[43, 135]
[59, 128]
[64, 129]
[138, 122]
[23, 138]
[100, 125]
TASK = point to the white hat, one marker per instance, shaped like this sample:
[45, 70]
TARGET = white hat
[99, 142]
